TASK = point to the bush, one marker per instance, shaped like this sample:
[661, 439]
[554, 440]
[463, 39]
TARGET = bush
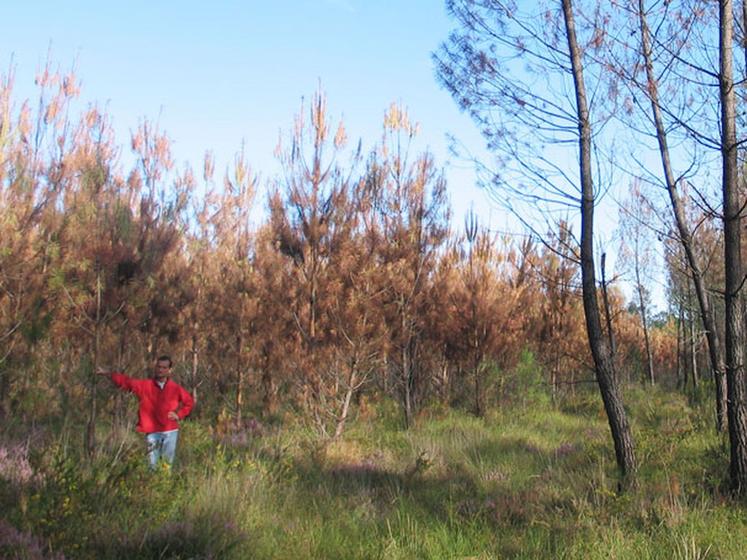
[531, 389]
[18, 545]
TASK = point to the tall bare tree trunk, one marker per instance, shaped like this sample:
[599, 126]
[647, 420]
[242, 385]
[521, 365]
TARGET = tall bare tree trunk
[692, 347]
[195, 360]
[239, 379]
[715, 353]
[407, 382]
[681, 369]
[443, 381]
[644, 322]
[554, 376]
[476, 370]
[269, 402]
[607, 312]
[352, 384]
[91, 428]
[601, 352]
[735, 374]
[150, 347]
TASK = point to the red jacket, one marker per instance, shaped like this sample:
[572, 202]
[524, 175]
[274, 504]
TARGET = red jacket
[156, 403]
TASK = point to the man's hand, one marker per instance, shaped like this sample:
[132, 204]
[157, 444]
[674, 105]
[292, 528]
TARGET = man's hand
[102, 371]
[173, 416]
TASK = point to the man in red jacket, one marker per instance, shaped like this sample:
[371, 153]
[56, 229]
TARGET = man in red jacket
[163, 404]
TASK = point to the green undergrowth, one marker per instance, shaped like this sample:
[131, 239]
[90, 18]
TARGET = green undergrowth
[535, 482]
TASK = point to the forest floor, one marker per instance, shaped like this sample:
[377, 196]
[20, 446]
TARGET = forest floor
[530, 480]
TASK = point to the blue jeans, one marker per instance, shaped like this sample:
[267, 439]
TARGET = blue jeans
[161, 446]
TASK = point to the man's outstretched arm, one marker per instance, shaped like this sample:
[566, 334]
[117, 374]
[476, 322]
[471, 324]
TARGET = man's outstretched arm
[120, 379]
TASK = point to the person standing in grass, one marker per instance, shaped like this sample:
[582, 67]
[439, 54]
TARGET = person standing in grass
[163, 404]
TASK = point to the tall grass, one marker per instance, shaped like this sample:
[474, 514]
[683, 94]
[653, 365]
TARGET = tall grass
[530, 482]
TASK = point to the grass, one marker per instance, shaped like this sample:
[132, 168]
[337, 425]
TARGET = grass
[539, 482]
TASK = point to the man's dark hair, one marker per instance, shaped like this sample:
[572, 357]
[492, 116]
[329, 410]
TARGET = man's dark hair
[165, 358]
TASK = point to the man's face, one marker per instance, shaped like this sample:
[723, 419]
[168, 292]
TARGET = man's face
[163, 369]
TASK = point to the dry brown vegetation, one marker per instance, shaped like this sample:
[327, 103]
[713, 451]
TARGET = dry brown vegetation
[355, 285]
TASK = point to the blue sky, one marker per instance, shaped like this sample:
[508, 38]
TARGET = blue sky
[216, 74]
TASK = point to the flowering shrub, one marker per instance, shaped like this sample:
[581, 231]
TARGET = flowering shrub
[17, 545]
[15, 466]
[243, 434]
